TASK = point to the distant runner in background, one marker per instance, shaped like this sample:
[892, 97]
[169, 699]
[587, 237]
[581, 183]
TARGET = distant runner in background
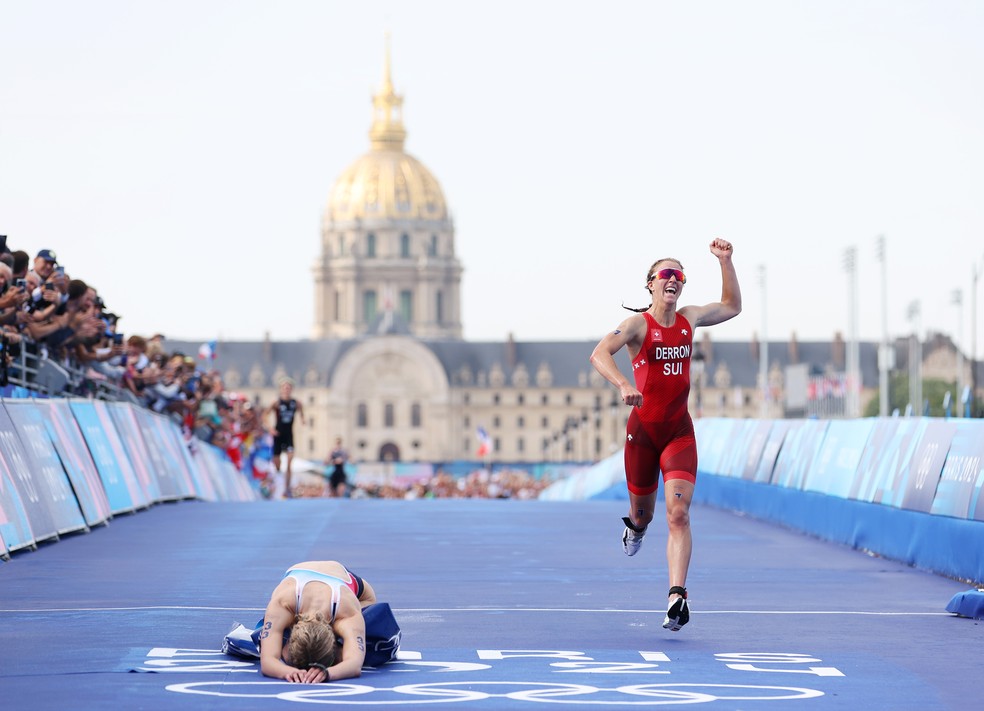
[285, 410]
[338, 482]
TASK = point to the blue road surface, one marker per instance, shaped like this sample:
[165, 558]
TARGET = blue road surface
[503, 605]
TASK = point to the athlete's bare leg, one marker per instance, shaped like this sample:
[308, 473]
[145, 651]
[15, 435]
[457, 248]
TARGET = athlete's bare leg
[641, 509]
[290, 459]
[679, 542]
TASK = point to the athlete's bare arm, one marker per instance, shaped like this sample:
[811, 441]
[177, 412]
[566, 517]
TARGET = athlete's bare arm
[352, 630]
[631, 332]
[730, 304]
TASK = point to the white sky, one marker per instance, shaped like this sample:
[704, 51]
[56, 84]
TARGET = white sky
[178, 155]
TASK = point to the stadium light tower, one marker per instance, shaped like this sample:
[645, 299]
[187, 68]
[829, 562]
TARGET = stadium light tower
[956, 298]
[764, 350]
[886, 355]
[915, 358]
[853, 354]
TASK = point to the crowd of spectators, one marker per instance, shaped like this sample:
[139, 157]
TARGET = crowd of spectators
[49, 314]
[479, 484]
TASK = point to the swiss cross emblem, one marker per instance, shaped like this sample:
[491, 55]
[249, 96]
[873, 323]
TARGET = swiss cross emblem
[657, 336]
[683, 331]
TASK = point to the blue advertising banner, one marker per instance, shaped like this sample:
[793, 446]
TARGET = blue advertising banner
[136, 448]
[14, 524]
[45, 466]
[710, 433]
[70, 444]
[154, 428]
[180, 448]
[734, 455]
[756, 446]
[770, 451]
[836, 464]
[884, 466]
[119, 481]
[927, 465]
[960, 484]
[34, 493]
[799, 452]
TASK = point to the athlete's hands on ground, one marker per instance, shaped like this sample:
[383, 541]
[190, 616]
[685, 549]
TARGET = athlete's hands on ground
[307, 676]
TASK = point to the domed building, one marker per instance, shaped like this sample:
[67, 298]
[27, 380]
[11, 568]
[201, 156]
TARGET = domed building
[387, 240]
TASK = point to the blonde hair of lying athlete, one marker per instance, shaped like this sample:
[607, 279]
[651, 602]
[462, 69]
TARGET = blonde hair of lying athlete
[331, 600]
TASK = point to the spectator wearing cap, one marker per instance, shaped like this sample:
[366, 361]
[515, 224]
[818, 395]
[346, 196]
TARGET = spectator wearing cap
[45, 263]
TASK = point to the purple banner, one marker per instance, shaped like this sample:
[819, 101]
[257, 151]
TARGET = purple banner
[14, 524]
[45, 467]
[157, 433]
[70, 445]
[136, 448]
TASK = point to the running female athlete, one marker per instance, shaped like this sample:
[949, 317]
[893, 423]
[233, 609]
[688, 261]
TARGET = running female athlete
[320, 602]
[660, 433]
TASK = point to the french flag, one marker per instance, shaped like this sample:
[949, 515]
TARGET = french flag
[484, 443]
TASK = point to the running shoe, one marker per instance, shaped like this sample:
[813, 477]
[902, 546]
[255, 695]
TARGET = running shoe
[631, 538]
[678, 612]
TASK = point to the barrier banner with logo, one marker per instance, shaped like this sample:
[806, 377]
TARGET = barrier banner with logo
[927, 465]
[875, 465]
[140, 458]
[45, 467]
[799, 452]
[75, 458]
[959, 490]
[15, 527]
[765, 471]
[757, 440]
[836, 464]
[157, 433]
[34, 494]
[229, 480]
[119, 481]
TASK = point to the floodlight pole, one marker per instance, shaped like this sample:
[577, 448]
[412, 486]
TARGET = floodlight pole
[884, 359]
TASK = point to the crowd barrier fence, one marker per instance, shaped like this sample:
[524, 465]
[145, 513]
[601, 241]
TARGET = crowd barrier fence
[68, 465]
[910, 489]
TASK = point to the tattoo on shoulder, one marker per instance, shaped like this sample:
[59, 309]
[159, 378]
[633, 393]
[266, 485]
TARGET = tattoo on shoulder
[265, 633]
[362, 644]
[616, 331]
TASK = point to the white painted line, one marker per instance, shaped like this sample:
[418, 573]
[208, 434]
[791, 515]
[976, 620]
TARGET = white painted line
[445, 610]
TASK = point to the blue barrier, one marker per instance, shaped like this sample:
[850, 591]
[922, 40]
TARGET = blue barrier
[911, 489]
[66, 465]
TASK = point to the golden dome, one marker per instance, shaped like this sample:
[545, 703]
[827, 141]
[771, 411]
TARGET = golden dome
[386, 183]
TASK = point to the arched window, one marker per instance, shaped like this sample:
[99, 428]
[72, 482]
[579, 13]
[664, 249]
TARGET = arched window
[432, 248]
[415, 415]
[388, 417]
[405, 245]
[361, 415]
[371, 244]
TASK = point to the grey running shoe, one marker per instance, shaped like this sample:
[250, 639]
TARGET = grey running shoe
[631, 537]
[678, 612]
